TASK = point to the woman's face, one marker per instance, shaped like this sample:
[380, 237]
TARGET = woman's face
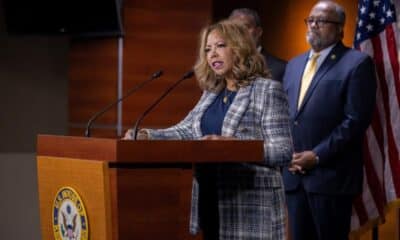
[219, 55]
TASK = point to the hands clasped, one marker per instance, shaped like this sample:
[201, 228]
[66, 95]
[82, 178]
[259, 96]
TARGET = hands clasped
[302, 161]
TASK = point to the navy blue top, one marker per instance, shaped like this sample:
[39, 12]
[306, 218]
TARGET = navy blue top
[211, 122]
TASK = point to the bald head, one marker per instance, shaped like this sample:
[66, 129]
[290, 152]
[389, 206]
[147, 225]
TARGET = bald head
[325, 25]
[334, 8]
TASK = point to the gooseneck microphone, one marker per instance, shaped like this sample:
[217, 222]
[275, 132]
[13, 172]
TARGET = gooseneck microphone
[187, 75]
[106, 108]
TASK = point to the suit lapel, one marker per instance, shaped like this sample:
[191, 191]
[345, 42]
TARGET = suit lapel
[297, 82]
[330, 61]
[236, 110]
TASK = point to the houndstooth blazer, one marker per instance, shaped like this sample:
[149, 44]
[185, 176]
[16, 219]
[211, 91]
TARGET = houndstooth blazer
[251, 199]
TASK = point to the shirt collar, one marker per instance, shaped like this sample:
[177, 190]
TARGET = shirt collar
[323, 54]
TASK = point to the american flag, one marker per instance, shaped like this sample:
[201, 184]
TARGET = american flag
[376, 35]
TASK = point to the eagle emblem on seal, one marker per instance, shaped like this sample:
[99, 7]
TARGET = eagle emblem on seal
[69, 216]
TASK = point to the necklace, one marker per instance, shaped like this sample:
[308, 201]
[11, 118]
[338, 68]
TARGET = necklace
[227, 94]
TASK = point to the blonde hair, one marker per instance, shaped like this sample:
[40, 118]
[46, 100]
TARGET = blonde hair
[248, 63]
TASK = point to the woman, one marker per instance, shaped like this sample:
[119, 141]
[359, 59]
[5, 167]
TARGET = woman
[235, 201]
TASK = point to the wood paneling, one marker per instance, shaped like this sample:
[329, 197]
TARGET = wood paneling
[158, 35]
[92, 79]
[96, 131]
[162, 35]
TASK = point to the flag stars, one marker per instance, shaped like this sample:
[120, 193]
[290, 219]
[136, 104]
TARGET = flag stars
[389, 13]
[363, 9]
[372, 15]
[372, 18]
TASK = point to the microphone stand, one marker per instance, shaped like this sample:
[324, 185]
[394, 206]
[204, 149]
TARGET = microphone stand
[139, 120]
[105, 109]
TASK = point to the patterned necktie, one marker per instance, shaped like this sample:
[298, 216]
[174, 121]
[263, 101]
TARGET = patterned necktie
[307, 77]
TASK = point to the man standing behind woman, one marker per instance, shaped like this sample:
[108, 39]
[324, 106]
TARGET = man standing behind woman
[252, 21]
[241, 200]
[331, 91]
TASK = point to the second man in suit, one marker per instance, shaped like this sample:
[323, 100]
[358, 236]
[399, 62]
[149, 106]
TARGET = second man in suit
[251, 20]
[331, 92]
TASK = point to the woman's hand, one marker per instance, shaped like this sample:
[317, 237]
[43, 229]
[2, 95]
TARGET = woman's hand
[128, 135]
[141, 135]
[217, 137]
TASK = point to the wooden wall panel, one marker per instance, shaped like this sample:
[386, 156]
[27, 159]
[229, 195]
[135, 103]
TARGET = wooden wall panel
[92, 81]
[102, 131]
[162, 35]
[159, 35]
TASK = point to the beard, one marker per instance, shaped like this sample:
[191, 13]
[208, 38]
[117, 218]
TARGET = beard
[319, 42]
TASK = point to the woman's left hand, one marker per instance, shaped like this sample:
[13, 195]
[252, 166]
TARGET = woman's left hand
[217, 137]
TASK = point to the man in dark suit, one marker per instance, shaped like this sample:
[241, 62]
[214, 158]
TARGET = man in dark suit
[331, 93]
[252, 21]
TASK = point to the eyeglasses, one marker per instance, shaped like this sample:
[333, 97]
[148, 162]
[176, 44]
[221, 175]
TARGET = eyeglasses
[319, 22]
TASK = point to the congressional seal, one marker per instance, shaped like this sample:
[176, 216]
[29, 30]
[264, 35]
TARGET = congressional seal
[70, 221]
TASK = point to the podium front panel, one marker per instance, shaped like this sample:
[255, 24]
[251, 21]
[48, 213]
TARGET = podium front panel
[89, 179]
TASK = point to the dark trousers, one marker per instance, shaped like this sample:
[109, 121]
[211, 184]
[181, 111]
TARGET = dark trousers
[314, 216]
[208, 201]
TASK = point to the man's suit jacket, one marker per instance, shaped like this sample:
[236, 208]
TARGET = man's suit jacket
[259, 111]
[332, 119]
[275, 65]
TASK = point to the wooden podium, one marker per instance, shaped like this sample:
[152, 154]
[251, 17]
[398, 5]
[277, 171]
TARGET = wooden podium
[130, 189]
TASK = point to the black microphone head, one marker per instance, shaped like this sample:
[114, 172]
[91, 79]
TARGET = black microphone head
[188, 74]
[157, 74]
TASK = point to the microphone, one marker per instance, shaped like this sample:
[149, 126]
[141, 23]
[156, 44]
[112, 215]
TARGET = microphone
[132, 90]
[187, 75]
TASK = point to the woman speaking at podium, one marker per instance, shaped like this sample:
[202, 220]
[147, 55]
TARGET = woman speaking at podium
[239, 101]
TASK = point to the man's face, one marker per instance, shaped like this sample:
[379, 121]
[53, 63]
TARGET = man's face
[323, 27]
[251, 26]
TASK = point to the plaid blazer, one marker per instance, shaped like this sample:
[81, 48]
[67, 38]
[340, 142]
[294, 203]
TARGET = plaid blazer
[251, 201]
